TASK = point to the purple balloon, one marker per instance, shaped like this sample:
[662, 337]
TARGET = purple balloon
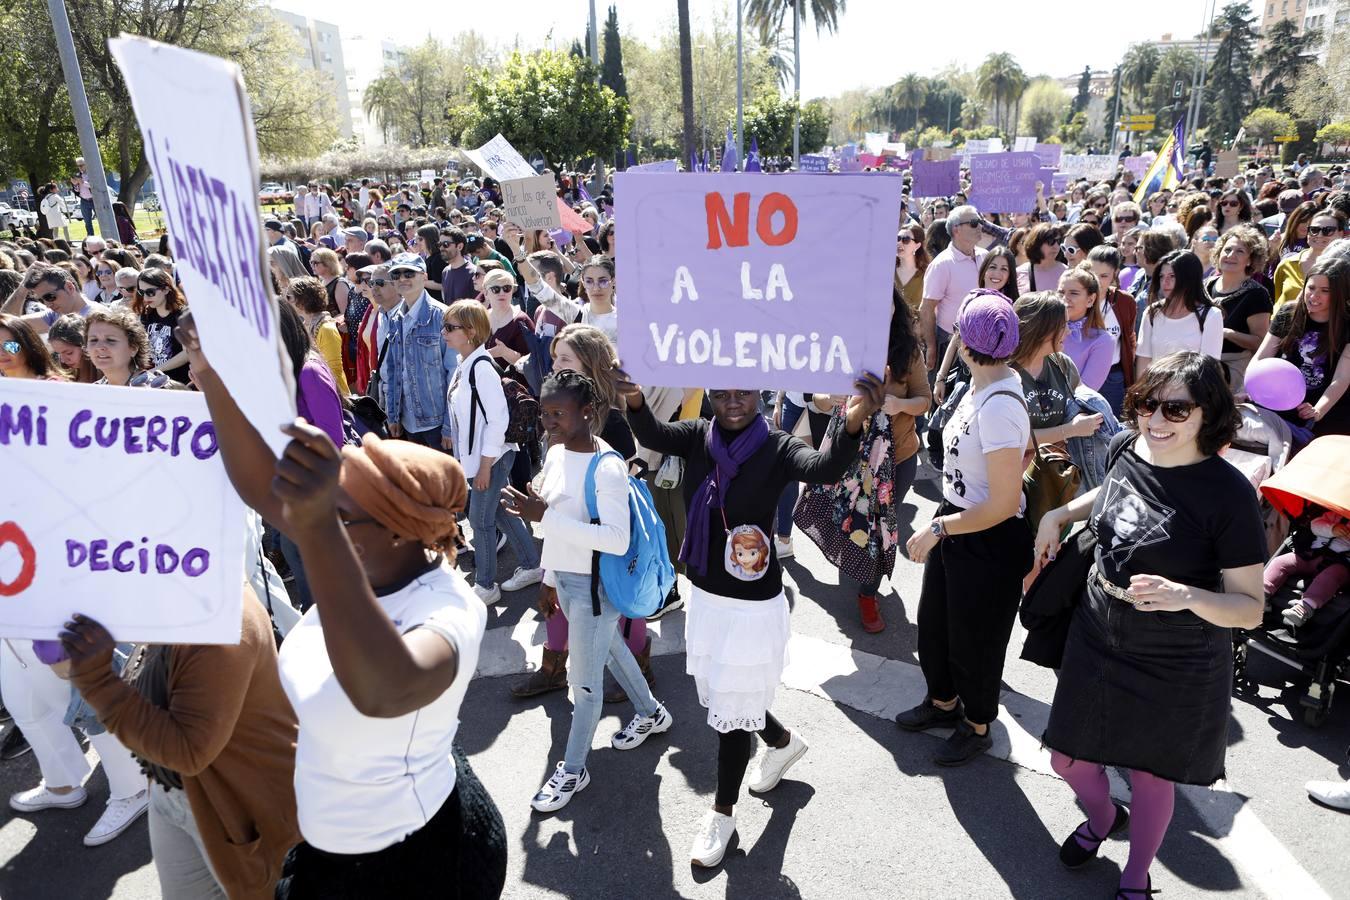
[1275, 384]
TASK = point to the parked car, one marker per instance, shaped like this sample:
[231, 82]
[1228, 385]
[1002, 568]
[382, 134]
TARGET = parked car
[72, 205]
[13, 218]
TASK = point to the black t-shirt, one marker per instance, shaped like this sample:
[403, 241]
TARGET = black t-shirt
[1249, 299]
[1183, 523]
[435, 269]
[1318, 366]
[618, 435]
[1048, 396]
[163, 345]
[752, 497]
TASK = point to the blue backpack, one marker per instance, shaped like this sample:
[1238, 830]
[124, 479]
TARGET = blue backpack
[637, 580]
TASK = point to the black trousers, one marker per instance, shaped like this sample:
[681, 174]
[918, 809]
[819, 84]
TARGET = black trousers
[972, 585]
[734, 749]
[459, 854]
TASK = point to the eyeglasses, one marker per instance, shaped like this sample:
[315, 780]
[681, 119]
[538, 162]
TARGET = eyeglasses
[1323, 230]
[451, 327]
[1126, 220]
[403, 275]
[501, 289]
[596, 282]
[1172, 410]
[103, 271]
[1054, 241]
[10, 347]
[148, 292]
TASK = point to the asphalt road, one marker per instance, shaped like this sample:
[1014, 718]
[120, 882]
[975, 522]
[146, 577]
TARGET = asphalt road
[865, 813]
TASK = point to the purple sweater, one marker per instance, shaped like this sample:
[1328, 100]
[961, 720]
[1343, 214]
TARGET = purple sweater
[316, 399]
[1090, 353]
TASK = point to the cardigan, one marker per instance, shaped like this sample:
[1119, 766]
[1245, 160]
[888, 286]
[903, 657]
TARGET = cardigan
[230, 732]
[752, 496]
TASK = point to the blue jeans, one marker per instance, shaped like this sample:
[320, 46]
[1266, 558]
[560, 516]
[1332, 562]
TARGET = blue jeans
[87, 213]
[593, 643]
[1113, 389]
[486, 517]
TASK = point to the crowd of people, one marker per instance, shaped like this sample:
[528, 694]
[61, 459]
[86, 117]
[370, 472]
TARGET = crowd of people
[455, 371]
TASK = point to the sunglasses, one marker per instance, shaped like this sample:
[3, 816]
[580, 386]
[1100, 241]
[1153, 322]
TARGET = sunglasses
[1172, 410]
[1209, 239]
[403, 275]
[148, 292]
[904, 238]
[1126, 220]
[1229, 203]
[103, 271]
[450, 327]
[446, 245]
[501, 289]
[1323, 230]
[10, 347]
[49, 297]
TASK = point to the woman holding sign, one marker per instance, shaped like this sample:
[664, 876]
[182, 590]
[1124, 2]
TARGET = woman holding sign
[386, 802]
[737, 630]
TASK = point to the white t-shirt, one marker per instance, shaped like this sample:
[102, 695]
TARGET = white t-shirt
[362, 783]
[1112, 328]
[981, 423]
[569, 536]
[1159, 335]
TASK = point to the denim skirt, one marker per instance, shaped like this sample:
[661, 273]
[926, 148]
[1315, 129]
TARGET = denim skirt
[1144, 690]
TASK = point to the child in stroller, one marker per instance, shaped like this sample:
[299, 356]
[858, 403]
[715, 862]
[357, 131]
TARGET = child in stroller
[1321, 541]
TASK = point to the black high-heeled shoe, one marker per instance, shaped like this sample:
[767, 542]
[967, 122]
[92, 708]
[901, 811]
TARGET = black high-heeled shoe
[1130, 893]
[1073, 854]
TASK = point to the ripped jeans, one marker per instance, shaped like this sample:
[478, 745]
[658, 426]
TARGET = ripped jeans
[594, 641]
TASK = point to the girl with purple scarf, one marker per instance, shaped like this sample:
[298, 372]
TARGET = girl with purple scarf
[737, 630]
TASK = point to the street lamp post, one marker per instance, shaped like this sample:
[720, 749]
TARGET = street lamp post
[740, 77]
[84, 123]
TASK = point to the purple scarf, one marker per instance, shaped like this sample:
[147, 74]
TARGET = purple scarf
[712, 493]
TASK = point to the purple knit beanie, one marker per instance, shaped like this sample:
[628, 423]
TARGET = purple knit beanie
[988, 324]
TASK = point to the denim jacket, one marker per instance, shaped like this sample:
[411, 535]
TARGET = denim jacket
[80, 714]
[1089, 453]
[420, 364]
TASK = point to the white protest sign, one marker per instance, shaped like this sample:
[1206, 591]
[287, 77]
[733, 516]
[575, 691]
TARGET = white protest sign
[198, 135]
[874, 141]
[1097, 166]
[428, 175]
[531, 202]
[123, 513]
[500, 160]
[665, 165]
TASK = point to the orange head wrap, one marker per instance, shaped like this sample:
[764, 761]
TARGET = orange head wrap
[414, 491]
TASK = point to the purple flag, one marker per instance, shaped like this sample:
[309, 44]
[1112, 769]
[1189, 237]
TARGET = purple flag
[581, 190]
[752, 158]
[707, 162]
[693, 162]
[631, 160]
[730, 155]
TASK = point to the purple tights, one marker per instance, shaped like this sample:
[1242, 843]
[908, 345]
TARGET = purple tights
[1152, 800]
[556, 626]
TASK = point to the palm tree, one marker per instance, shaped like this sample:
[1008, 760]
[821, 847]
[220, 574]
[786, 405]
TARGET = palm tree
[386, 100]
[1000, 81]
[910, 93]
[769, 15]
[779, 50]
[1137, 70]
[686, 76]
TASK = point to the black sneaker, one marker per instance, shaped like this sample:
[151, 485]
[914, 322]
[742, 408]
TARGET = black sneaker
[14, 745]
[926, 716]
[672, 602]
[963, 746]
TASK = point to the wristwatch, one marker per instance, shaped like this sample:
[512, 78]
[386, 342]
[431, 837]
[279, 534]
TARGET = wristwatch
[938, 527]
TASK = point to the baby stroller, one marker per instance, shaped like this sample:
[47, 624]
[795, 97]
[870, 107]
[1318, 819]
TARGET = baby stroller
[1320, 650]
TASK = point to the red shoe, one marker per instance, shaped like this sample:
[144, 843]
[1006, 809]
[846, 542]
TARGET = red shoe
[871, 614]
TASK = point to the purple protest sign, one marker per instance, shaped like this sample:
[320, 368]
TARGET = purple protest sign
[1049, 154]
[723, 288]
[814, 163]
[1046, 177]
[916, 155]
[940, 178]
[1004, 182]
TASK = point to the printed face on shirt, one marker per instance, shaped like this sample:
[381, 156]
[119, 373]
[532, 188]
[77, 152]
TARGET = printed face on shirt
[1132, 521]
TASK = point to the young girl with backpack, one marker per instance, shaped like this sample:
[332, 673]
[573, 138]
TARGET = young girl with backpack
[737, 631]
[573, 415]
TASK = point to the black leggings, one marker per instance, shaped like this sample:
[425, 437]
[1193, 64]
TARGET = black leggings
[734, 749]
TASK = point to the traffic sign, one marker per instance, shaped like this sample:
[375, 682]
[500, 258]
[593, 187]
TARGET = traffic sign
[1145, 119]
[1285, 138]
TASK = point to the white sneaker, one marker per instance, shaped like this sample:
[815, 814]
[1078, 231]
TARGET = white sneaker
[710, 842]
[39, 797]
[783, 546]
[775, 763]
[1298, 613]
[522, 579]
[559, 789]
[488, 595]
[117, 818]
[1332, 793]
[501, 540]
[641, 728]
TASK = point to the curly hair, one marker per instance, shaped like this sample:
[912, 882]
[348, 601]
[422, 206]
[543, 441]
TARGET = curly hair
[128, 323]
[1203, 378]
[1249, 236]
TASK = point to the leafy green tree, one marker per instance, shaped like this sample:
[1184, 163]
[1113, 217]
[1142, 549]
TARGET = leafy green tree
[1136, 72]
[1000, 82]
[770, 119]
[1175, 64]
[611, 62]
[415, 101]
[1334, 133]
[1263, 125]
[1230, 72]
[549, 103]
[1071, 132]
[1323, 93]
[1284, 60]
[37, 135]
[1044, 106]
[1084, 95]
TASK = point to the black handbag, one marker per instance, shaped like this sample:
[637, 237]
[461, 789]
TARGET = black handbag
[1047, 607]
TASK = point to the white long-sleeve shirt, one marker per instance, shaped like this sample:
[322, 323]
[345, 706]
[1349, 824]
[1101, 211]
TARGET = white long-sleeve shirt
[1159, 335]
[568, 309]
[569, 536]
[489, 432]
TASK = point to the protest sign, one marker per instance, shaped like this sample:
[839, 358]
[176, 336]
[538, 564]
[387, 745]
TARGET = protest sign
[1225, 164]
[870, 160]
[720, 290]
[1046, 177]
[124, 513]
[531, 202]
[1137, 164]
[428, 175]
[1024, 145]
[1060, 184]
[848, 159]
[1095, 167]
[500, 160]
[977, 147]
[665, 165]
[1050, 154]
[916, 154]
[1004, 182]
[198, 137]
[812, 163]
[571, 220]
[874, 141]
[936, 179]
[938, 154]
